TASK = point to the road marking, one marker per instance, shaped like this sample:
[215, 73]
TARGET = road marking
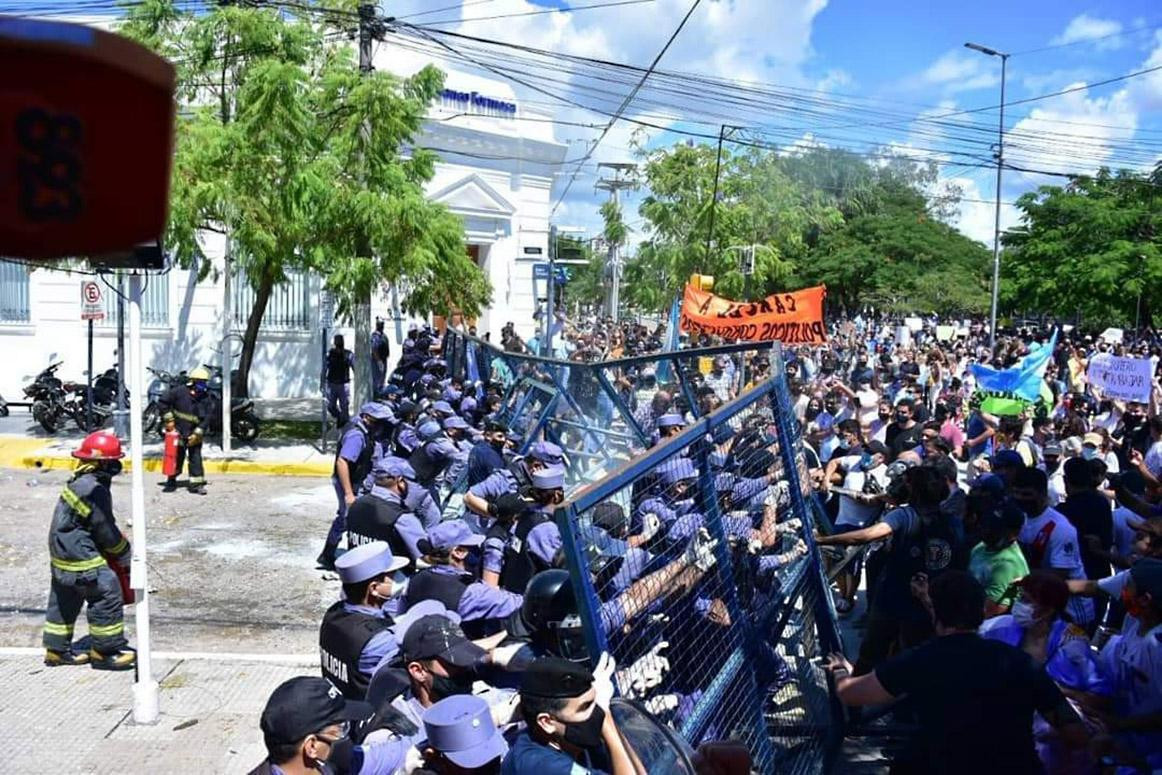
[208, 656]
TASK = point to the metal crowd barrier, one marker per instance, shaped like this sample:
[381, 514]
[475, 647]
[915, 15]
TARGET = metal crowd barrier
[729, 652]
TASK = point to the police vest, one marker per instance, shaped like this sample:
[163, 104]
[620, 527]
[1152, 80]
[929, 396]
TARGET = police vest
[426, 466]
[342, 637]
[444, 587]
[338, 369]
[520, 474]
[371, 518]
[361, 466]
[520, 564]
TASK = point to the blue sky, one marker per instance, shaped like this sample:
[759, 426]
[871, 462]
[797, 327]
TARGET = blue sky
[873, 74]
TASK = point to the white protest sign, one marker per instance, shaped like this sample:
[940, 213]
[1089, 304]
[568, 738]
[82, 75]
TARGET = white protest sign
[1127, 379]
[1112, 335]
[914, 323]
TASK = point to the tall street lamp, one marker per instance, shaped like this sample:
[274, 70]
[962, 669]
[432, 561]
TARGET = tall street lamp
[1000, 166]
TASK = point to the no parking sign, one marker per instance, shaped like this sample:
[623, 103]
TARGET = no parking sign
[92, 306]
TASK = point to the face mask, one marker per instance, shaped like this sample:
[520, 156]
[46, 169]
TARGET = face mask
[1023, 613]
[885, 416]
[1031, 507]
[1131, 603]
[587, 733]
[812, 412]
[1088, 453]
[902, 418]
[865, 461]
[443, 686]
[1131, 421]
[497, 445]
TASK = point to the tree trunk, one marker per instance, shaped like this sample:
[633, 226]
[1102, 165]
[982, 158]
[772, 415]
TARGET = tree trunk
[361, 322]
[241, 384]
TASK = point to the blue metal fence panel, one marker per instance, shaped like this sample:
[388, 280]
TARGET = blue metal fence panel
[14, 281]
[692, 557]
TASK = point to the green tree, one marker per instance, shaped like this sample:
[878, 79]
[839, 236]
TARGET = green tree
[296, 158]
[1090, 248]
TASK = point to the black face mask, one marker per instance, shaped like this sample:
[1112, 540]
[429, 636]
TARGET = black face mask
[443, 686]
[587, 733]
[812, 412]
[902, 418]
[1131, 421]
[497, 445]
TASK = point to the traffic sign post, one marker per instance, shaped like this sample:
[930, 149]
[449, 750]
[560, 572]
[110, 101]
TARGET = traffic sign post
[92, 309]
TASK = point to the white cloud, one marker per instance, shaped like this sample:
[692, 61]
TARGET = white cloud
[976, 211]
[1086, 27]
[833, 80]
[959, 71]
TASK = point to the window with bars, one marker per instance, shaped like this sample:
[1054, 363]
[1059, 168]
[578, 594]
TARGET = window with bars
[14, 307]
[154, 301]
[289, 306]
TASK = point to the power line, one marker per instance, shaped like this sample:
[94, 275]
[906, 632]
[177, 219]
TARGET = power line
[1054, 47]
[568, 9]
[625, 103]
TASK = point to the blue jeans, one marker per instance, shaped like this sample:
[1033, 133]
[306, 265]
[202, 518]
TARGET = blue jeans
[339, 402]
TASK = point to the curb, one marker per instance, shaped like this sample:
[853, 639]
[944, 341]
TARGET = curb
[32, 454]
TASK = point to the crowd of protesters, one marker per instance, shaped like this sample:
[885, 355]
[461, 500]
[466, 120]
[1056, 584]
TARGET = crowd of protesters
[1009, 565]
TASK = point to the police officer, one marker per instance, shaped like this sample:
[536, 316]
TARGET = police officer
[383, 515]
[679, 476]
[307, 726]
[356, 632]
[404, 437]
[570, 726]
[186, 408]
[458, 430]
[340, 362]
[533, 538]
[380, 350]
[448, 548]
[82, 542]
[516, 477]
[487, 455]
[440, 662]
[434, 454]
[353, 460]
[462, 737]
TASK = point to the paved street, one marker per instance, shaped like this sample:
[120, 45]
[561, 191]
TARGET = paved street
[232, 571]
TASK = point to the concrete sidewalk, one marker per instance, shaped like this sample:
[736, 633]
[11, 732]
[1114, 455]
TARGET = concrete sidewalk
[263, 457]
[79, 720]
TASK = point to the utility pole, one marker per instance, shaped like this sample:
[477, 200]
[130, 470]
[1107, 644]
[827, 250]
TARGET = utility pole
[714, 195]
[550, 302]
[997, 216]
[121, 416]
[371, 28]
[614, 262]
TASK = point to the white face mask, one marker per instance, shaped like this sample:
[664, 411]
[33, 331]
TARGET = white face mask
[1023, 613]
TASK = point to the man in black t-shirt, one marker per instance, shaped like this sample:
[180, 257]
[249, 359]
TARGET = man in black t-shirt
[973, 698]
[904, 433]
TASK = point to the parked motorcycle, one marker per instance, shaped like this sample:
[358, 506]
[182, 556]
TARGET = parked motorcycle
[47, 396]
[244, 422]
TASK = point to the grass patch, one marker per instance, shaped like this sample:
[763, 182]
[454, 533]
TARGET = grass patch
[290, 430]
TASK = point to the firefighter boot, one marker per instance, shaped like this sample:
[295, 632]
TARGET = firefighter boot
[126, 659]
[171, 485]
[61, 658]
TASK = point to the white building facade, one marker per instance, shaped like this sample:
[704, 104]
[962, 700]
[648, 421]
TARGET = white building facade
[498, 163]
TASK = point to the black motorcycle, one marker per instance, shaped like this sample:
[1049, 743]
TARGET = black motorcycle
[46, 396]
[244, 423]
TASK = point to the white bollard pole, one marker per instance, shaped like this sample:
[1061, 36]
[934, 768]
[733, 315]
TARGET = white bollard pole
[145, 690]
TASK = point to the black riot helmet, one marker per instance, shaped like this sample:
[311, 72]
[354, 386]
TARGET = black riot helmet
[549, 613]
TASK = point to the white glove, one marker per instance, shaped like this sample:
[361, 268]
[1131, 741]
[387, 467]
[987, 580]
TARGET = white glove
[651, 524]
[778, 494]
[603, 680]
[754, 546]
[700, 552]
[661, 703]
[413, 760]
[502, 655]
[503, 712]
[797, 551]
[790, 526]
[643, 675]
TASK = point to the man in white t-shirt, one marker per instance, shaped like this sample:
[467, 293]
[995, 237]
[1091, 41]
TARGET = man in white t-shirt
[859, 506]
[1048, 539]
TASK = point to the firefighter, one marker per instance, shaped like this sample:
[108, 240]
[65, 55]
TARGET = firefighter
[186, 408]
[82, 543]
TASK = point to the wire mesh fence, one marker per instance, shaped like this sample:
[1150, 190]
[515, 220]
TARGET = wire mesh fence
[687, 531]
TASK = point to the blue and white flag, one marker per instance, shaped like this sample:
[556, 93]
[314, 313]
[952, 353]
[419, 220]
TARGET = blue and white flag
[671, 339]
[1022, 379]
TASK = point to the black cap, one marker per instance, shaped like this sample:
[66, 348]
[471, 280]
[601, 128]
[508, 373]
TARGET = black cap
[876, 448]
[554, 677]
[438, 637]
[492, 426]
[305, 705]
[1147, 576]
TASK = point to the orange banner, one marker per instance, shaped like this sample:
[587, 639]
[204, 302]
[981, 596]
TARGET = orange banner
[791, 318]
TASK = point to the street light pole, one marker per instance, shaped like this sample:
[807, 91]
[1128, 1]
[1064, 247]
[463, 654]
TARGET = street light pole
[997, 216]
